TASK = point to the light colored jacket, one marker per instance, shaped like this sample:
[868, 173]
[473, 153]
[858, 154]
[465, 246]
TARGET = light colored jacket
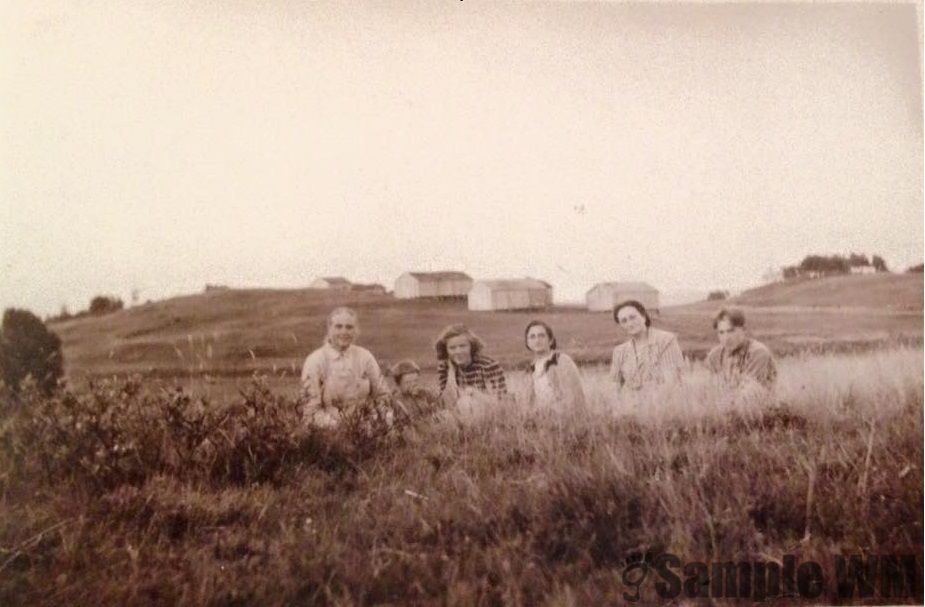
[752, 359]
[563, 377]
[331, 377]
[657, 361]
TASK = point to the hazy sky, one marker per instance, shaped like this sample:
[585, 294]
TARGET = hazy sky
[159, 147]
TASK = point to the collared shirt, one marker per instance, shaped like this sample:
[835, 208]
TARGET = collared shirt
[658, 360]
[482, 373]
[559, 375]
[751, 359]
[331, 376]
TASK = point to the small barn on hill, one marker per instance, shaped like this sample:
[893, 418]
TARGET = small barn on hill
[513, 294]
[605, 295]
[336, 283]
[411, 285]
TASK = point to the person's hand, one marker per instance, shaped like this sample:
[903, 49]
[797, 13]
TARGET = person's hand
[325, 417]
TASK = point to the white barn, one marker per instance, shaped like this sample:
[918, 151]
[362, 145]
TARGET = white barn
[412, 285]
[336, 283]
[605, 295]
[513, 294]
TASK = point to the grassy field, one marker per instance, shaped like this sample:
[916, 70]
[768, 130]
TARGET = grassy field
[135, 494]
[234, 333]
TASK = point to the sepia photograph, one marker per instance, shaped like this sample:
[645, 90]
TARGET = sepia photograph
[461, 302]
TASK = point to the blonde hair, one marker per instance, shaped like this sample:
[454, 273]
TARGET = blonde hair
[456, 330]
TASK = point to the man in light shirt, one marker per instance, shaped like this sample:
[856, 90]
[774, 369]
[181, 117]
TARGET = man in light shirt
[339, 375]
[739, 360]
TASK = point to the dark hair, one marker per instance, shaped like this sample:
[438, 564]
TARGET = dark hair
[402, 368]
[735, 316]
[540, 323]
[452, 331]
[635, 304]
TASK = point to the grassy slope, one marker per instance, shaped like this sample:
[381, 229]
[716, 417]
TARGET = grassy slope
[239, 331]
[890, 291]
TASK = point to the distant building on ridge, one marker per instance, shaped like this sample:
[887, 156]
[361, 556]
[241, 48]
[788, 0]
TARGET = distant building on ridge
[411, 285]
[604, 296]
[335, 283]
[510, 294]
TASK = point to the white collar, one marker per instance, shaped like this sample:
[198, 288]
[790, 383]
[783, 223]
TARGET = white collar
[334, 351]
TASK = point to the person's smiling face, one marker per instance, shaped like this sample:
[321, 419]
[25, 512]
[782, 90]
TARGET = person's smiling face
[459, 349]
[342, 330]
[631, 321]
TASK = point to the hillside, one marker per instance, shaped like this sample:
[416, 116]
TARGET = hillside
[236, 332]
[882, 291]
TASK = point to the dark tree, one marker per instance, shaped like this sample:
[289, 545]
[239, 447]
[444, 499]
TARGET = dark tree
[856, 260]
[104, 304]
[822, 265]
[878, 263]
[27, 348]
[914, 269]
[717, 295]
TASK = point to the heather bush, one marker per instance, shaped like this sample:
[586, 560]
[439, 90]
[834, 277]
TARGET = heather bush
[124, 432]
[29, 349]
[233, 503]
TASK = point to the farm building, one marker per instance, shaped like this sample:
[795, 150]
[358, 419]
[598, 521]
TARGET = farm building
[514, 294]
[411, 285]
[336, 283]
[605, 295]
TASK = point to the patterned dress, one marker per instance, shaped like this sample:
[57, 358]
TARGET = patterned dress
[657, 360]
[482, 373]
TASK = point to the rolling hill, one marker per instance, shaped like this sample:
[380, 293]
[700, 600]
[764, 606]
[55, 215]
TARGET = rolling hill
[881, 291]
[237, 332]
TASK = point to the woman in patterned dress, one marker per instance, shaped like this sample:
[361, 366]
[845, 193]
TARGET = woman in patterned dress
[649, 356]
[462, 368]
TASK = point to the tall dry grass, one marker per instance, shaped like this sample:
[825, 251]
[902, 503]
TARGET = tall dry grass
[137, 494]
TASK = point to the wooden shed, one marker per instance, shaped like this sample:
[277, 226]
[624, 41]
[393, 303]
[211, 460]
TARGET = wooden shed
[411, 285]
[605, 295]
[511, 294]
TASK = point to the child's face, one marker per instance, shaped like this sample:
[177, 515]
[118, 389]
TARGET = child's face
[408, 382]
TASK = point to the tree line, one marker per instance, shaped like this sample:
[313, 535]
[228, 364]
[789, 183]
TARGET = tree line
[99, 305]
[815, 266]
